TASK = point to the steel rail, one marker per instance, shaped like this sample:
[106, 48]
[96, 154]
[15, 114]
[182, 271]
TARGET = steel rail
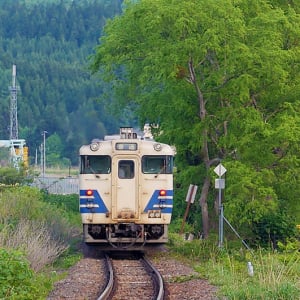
[106, 294]
[158, 280]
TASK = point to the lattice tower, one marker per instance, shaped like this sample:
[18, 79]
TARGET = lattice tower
[14, 134]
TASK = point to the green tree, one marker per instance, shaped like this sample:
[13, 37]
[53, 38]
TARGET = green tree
[217, 77]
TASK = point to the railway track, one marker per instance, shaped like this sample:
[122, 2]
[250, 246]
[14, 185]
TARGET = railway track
[90, 276]
[132, 277]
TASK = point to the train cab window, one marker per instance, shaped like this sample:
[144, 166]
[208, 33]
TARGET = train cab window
[157, 164]
[95, 164]
[126, 169]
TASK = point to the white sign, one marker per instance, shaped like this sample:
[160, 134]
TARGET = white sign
[190, 197]
[220, 184]
[220, 170]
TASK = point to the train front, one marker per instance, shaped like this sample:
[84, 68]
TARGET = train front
[126, 191]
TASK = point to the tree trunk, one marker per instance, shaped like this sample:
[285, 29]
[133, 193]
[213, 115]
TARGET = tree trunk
[204, 151]
[203, 205]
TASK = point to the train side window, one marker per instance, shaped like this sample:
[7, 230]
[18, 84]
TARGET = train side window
[126, 169]
[157, 164]
[95, 164]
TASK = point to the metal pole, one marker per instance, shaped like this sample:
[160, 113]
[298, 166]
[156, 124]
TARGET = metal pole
[220, 170]
[236, 233]
[42, 159]
[44, 149]
[220, 215]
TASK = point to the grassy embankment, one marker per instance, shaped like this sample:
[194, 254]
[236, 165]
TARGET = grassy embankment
[36, 230]
[38, 234]
[275, 273]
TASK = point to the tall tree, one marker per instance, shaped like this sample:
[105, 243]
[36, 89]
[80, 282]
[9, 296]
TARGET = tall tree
[216, 76]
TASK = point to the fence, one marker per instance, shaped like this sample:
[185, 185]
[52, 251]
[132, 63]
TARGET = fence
[57, 185]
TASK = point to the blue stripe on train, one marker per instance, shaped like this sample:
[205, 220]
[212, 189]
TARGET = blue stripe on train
[91, 204]
[95, 204]
[157, 202]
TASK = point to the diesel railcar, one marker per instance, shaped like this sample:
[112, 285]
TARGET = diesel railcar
[126, 191]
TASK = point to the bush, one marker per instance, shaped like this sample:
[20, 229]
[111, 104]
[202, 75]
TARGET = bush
[12, 176]
[39, 229]
[35, 240]
[69, 203]
[273, 229]
[17, 280]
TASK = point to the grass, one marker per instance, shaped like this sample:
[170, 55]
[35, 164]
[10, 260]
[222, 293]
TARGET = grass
[276, 275]
[72, 171]
[42, 227]
[36, 230]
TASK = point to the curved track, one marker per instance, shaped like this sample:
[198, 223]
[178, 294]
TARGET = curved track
[132, 277]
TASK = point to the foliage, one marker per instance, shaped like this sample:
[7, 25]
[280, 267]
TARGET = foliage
[221, 80]
[273, 228]
[273, 279]
[12, 176]
[176, 225]
[67, 260]
[49, 44]
[275, 274]
[34, 231]
[17, 280]
[42, 230]
[205, 249]
[68, 204]
[36, 240]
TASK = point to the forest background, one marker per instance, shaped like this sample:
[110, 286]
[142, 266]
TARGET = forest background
[50, 43]
[220, 77]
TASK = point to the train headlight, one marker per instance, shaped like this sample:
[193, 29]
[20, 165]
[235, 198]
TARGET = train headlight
[157, 147]
[94, 146]
[89, 192]
[162, 193]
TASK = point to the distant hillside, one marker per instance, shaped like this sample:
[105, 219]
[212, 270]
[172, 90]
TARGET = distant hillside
[50, 42]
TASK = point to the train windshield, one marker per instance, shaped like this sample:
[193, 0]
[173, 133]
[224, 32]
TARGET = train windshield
[95, 164]
[157, 164]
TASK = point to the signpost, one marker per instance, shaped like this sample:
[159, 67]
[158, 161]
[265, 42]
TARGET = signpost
[220, 184]
[190, 198]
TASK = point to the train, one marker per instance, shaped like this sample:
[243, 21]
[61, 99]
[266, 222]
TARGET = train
[126, 190]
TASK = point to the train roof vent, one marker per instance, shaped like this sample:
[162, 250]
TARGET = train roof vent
[127, 133]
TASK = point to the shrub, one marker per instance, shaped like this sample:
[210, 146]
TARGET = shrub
[273, 229]
[68, 203]
[12, 176]
[16, 277]
[35, 240]
[40, 229]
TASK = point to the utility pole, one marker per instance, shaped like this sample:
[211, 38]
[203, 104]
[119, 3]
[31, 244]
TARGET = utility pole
[44, 152]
